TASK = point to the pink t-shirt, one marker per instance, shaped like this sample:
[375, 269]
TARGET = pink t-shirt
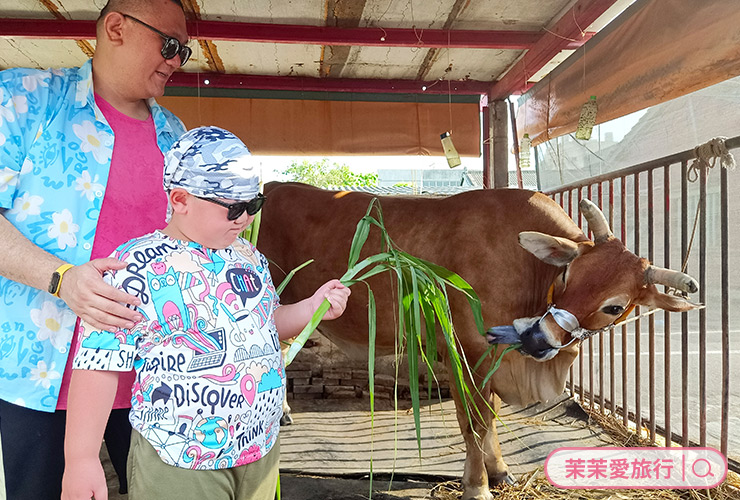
[134, 204]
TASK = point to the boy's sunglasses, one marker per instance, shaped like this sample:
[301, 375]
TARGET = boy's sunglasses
[237, 209]
[171, 46]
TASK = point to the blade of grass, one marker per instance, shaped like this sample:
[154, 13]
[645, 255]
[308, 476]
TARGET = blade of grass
[457, 282]
[431, 340]
[251, 232]
[302, 337]
[498, 363]
[412, 341]
[361, 234]
[289, 277]
[371, 373]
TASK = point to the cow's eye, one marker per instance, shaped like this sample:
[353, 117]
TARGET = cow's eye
[613, 310]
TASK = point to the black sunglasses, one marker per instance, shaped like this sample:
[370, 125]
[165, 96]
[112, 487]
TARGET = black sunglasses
[237, 209]
[171, 46]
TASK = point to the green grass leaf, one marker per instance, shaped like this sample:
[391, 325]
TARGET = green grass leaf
[422, 306]
[289, 277]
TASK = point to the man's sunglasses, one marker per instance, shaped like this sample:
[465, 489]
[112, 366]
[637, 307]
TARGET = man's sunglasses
[171, 46]
[237, 209]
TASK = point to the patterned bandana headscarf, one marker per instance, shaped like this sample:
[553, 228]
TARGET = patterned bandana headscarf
[211, 162]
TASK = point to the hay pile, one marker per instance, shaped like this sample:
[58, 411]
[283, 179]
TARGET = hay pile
[534, 485]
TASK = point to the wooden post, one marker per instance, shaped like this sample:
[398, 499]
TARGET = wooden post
[487, 163]
[500, 154]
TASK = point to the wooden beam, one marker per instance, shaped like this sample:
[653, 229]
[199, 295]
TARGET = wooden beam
[340, 14]
[296, 34]
[567, 31]
[268, 82]
[207, 47]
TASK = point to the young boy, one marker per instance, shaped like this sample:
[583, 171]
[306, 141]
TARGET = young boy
[210, 381]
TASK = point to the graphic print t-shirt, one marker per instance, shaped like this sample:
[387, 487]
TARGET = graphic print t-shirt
[209, 375]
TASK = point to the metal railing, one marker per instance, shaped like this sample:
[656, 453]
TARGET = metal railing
[639, 203]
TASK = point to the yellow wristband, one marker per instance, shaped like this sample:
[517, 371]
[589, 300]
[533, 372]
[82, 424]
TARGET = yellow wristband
[56, 279]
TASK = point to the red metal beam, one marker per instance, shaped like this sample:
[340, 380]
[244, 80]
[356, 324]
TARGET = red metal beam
[298, 34]
[266, 82]
[570, 27]
[47, 28]
[377, 37]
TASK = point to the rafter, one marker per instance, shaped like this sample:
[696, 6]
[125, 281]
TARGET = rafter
[567, 30]
[207, 47]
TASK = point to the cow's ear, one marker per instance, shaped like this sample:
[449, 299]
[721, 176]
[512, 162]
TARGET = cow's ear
[668, 302]
[550, 249]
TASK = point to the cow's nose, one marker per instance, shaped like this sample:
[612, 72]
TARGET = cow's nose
[534, 342]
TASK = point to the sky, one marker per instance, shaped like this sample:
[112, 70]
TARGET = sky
[361, 164]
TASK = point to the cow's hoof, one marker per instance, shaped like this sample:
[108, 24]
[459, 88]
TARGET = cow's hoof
[477, 494]
[286, 420]
[503, 478]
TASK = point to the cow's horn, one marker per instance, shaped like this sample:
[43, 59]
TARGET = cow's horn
[596, 221]
[669, 277]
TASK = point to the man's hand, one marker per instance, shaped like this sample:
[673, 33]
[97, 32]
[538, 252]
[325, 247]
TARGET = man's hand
[84, 479]
[95, 301]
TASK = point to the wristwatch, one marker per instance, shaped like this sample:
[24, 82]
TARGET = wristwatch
[56, 279]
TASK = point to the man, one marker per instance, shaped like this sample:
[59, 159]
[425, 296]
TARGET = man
[80, 171]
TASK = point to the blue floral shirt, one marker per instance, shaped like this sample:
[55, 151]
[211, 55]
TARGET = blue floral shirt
[55, 152]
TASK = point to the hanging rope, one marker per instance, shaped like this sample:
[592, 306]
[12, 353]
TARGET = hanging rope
[706, 157]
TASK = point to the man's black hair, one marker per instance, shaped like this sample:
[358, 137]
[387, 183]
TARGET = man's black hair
[114, 6]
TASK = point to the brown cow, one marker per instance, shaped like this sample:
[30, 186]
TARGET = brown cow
[511, 246]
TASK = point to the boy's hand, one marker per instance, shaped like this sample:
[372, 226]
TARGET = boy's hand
[337, 295]
[84, 479]
[290, 319]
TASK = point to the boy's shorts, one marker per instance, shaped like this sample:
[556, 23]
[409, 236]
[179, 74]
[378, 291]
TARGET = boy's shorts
[150, 478]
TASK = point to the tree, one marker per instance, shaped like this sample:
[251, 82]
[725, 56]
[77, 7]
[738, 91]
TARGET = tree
[322, 174]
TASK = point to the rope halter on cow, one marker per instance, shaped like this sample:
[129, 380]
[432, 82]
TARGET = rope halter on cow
[653, 276]
[568, 322]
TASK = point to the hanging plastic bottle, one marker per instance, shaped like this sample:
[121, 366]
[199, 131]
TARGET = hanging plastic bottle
[453, 159]
[587, 120]
[525, 146]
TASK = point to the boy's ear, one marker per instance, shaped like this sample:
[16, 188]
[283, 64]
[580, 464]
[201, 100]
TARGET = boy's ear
[179, 199]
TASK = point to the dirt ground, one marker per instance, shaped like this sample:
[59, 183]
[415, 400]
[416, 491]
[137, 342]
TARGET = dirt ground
[305, 487]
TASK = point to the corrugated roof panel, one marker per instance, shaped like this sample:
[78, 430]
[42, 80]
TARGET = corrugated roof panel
[475, 64]
[510, 14]
[405, 13]
[38, 53]
[383, 62]
[78, 9]
[266, 58]
[28, 9]
[308, 12]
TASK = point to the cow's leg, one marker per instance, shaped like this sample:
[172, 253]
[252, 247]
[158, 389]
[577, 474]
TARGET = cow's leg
[286, 419]
[475, 478]
[498, 471]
